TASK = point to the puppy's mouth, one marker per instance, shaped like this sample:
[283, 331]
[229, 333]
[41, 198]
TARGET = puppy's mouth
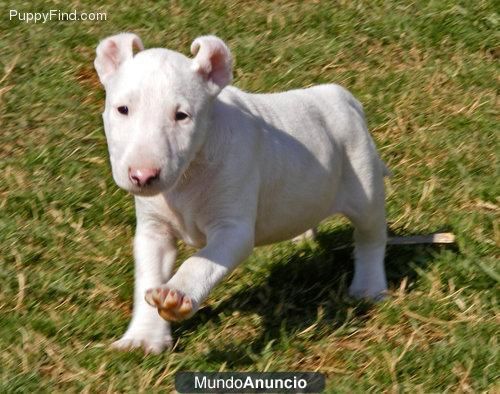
[149, 182]
[145, 191]
[150, 189]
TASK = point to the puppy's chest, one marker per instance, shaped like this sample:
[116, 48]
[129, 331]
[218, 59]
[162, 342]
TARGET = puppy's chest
[178, 214]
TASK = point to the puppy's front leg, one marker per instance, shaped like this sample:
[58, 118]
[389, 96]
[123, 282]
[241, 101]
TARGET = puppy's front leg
[155, 253]
[227, 246]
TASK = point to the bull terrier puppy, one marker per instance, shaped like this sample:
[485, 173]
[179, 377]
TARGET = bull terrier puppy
[225, 170]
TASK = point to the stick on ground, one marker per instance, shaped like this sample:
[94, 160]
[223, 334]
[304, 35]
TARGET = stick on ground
[438, 238]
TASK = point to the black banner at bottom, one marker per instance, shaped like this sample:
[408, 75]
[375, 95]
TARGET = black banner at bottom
[249, 382]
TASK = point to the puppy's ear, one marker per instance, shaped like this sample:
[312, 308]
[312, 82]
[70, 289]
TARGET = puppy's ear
[213, 61]
[113, 51]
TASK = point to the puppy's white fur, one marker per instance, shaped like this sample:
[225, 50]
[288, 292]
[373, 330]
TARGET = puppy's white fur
[242, 170]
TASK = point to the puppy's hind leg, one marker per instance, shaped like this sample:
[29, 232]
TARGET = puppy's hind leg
[369, 273]
[367, 213]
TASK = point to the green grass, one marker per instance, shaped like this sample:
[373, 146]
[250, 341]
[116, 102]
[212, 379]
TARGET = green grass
[427, 74]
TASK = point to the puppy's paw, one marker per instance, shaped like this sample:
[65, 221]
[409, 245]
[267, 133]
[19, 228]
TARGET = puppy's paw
[172, 305]
[377, 293]
[147, 342]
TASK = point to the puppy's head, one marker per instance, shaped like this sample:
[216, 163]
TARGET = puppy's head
[157, 107]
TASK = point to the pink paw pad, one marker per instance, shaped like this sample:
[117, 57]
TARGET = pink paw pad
[172, 305]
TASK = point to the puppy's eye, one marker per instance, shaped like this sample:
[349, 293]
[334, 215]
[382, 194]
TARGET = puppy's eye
[123, 110]
[179, 115]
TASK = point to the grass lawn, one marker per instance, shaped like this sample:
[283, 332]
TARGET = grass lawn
[427, 74]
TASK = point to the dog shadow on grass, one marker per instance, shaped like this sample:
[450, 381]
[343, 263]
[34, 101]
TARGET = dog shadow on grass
[307, 287]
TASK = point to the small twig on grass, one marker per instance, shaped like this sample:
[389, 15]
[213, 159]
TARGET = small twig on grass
[8, 69]
[21, 279]
[438, 238]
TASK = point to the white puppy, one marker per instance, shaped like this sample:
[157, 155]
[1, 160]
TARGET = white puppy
[225, 170]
